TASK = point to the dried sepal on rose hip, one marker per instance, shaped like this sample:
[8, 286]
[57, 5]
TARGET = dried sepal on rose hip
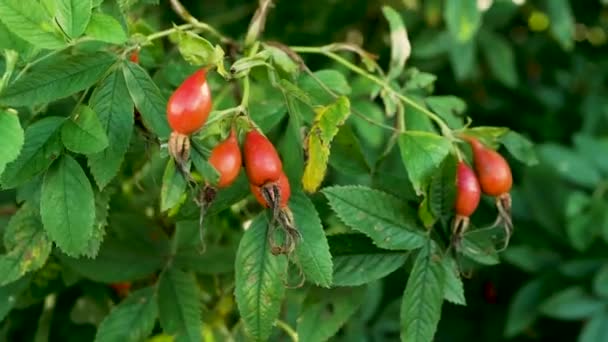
[468, 194]
[187, 111]
[271, 187]
[495, 179]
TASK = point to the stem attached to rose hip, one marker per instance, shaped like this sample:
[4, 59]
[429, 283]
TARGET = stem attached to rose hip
[326, 51]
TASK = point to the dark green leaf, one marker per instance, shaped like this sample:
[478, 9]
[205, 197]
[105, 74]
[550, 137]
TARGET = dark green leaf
[479, 246]
[173, 188]
[450, 108]
[179, 305]
[520, 148]
[562, 22]
[9, 294]
[114, 108]
[40, 148]
[26, 18]
[570, 165]
[132, 320]
[523, 309]
[462, 57]
[454, 289]
[600, 282]
[442, 190]
[61, 76]
[74, 16]
[329, 79]
[423, 296]
[382, 217]
[422, 154]
[11, 138]
[596, 329]
[500, 57]
[590, 147]
[326, 311]
[147, 98]
[462, 18]
[67, 206]
[259, 276]
[105, 28]
[312, 250]
[573, 303]
[84, 133]
[530, 258]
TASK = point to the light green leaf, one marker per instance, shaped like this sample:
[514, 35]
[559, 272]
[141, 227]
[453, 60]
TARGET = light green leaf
[174, 186]
[462, 18]
[259, 280]
[570, 165]
[84, 133]
[40, 148]
[331, 79]
[463, 58]
[11, 138]
[422, 153]
[10, 41]
[590, 147]
[478, 245]
[325, 127]
[28, 20]
[500, 57]
[326, 311]
[313, 250]
[147, 98]
[596, 329]
[423, 296]
[365, 267]
[179, 305]
[27, 245]
[489, 136]
[600, 282]
[454, 289]
[102, 208]
[562, 22]
[281, 60]
[523, 309]
[62, 75]
[74, 16]
[197, 50]
[114, 108]
[105, 28]
[67, 206]
[132, 320]
[450, 108]
[389, 222]
[573, 303]
[400, 43]
[520, 148]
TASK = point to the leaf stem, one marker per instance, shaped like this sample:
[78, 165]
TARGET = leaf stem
[287, 329]
[324, 50]
[183, 13]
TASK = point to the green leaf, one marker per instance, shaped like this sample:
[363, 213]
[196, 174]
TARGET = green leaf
[202, 165]
[197, 50]
[590, 147]
[179, 305]
[74, 16]
[596, 329]
[147, 98]
[479, 246]
[27, 19]
[463, 58]
[573, 303]
[27, 245]
[173, 188]
[84, 133]
[570, 165]
[313, 250]
[105, 28]
[358, 261]
[40, 148]
[500, 57]
[331, 79]
[400, 43]
[422, 154]
[11, 138]
[67, 206]
[423, 296]
[291, 145]
[102, 208]
[281, 60]
[132, 320]
[10, 41]
[119, 261]
[62, 75]
[462, 19]
[9, 294]
[530, 258]
[454, 289]
[442, 190]
[520, 148]
[318, 142]
[523, 308]
[562, 22]
[326, 311]
[450, 108]
[600, 282]
[216, 259]
[382, 217]
[259, 280]
[114, 108]
[489, 136]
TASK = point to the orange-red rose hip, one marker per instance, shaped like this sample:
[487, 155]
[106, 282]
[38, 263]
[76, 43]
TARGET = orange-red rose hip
[226, 159]
[284, 190]
[468, 192]
[492, 169]
[262, 162]
[190, 104]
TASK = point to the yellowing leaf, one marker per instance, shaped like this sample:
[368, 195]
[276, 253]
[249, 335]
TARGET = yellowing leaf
[327, 122]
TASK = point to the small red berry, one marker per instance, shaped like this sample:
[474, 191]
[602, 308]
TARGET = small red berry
[226, 159]
[190, 104]
[262, 162]
[468, 192]
[284, 190]
[134, 57]
[492, 169]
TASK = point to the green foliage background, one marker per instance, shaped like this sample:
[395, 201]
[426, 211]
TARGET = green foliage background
[537, 68]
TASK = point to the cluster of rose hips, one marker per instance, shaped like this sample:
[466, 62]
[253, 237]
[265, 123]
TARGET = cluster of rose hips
[492, 176]
[187, 111]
